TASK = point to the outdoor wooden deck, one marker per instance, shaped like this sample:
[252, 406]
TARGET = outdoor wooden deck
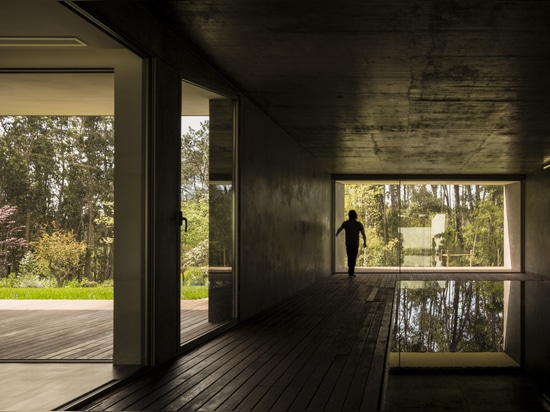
[75, 330]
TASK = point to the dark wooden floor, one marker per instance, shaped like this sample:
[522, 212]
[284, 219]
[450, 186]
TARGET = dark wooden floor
[324, 349]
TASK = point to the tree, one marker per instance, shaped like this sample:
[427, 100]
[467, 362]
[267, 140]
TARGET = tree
[62, 252]
[61, 169]
[10, 243]
[375, 207]
[195, 195]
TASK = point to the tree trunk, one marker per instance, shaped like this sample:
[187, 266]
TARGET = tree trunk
[89, 242]
[454, 334]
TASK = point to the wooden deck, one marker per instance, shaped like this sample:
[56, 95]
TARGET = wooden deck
[323, 349]
[52, 330]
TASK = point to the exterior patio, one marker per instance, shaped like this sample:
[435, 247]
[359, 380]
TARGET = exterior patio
[50, 330]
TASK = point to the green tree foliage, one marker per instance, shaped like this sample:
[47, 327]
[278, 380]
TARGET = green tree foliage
[62, 253]
[377, 207]
[60, 169]
[195, 196]
[474, 232]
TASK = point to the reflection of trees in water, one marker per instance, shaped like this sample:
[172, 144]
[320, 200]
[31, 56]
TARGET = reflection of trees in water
[449, 316]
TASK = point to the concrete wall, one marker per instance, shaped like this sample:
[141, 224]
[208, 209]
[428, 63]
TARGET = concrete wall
[285, 215]
[537, 294]
[512, 226]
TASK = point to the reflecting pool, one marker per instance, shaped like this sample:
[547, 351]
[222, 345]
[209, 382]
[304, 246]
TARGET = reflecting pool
[452, 323]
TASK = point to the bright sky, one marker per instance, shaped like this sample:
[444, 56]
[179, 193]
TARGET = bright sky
[191, 121]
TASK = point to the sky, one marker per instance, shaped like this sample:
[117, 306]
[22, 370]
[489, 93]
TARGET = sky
[191, 121]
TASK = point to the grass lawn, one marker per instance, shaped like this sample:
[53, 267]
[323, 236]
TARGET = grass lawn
[100, 293]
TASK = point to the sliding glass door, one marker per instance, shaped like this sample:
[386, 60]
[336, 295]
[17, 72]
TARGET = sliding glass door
[207, 207]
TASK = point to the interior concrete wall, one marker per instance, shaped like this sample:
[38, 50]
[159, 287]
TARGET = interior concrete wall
[512, 320]
[512, 226]
[339, 217]
[537, 294]
[284, 197]
[284, 213]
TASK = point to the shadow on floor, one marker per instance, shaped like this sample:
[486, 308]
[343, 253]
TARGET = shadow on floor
[463, 392]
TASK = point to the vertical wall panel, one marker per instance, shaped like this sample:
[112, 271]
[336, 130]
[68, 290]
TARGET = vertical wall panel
[285, 214]
[164, 200]
[537, 294]
[129, 240]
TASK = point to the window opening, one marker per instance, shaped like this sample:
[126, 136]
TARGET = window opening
[433, 225]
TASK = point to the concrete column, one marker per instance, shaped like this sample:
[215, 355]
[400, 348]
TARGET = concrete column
[147, 177]
[340, 246]
[163, 299]
[129, 213]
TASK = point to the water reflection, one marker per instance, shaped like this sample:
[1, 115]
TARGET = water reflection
[449, 316]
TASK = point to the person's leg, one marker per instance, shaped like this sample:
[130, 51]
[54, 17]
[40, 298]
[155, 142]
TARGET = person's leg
[352, 252]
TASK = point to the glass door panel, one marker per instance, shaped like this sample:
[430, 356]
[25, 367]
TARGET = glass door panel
[207, 205]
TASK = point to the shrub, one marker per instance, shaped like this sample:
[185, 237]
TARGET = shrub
[195, 277]
[31, 266]
[84, 283]
[26, 281]
[61, 252]
[108, 283]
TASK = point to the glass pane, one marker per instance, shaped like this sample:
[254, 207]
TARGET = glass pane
[431, 225]
[207, 200]
[57, 232]
[452, 225]
[377, 207]
[221, 211]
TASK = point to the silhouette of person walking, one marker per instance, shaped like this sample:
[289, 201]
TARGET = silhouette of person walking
[352, 228]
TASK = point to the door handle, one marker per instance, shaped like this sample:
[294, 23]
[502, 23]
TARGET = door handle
[183, 219]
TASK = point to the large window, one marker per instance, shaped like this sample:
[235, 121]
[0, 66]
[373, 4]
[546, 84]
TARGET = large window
[57, 149]
[435, 225]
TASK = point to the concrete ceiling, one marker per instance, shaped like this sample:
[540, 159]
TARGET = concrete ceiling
[393, 86]
[366, 87]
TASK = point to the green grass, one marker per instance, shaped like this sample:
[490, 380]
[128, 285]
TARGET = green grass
[101, 293]
[194, 292]
[57, 293]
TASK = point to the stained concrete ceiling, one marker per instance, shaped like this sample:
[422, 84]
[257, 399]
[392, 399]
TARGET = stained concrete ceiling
[366, 87]
[393, 86]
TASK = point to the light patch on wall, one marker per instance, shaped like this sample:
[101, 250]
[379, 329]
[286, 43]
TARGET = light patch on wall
[56, 94]
[41, 42]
